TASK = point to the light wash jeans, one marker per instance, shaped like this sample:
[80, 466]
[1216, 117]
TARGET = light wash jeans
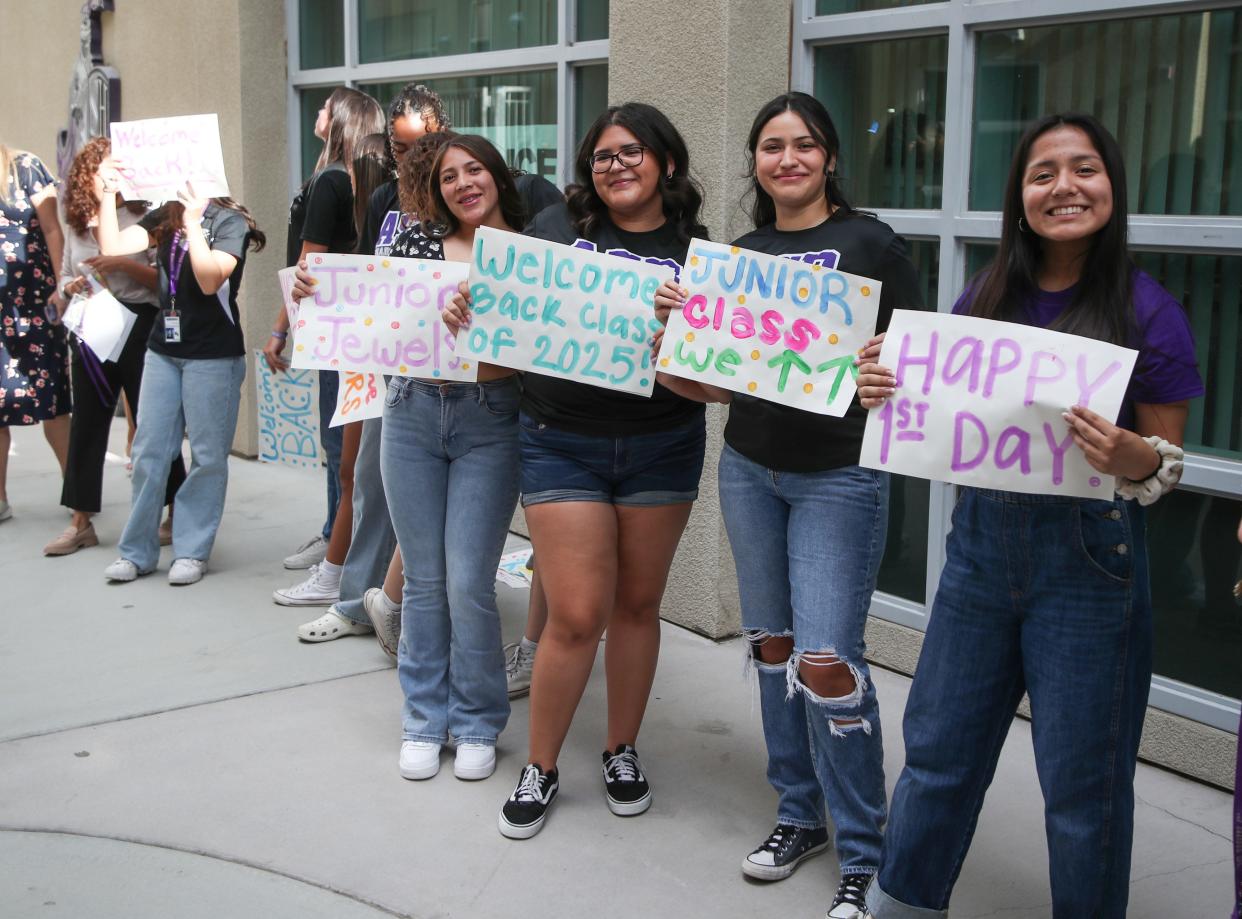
[1046, 595]
[807, 548]
[332, 439]
[450, 464]
[198, 398]
[373, 542]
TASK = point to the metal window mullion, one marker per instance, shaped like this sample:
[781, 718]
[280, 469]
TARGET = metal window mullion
[1001, 14]
[1195, 703]
[323, 76]
[566, 88]
[595, 51]
[896, 22]
[543, 57]
[351, 35]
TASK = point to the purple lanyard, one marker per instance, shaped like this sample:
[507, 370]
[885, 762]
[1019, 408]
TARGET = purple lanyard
[176, 257]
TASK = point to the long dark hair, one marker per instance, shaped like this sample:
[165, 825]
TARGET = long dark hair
[1102, 307]
[352, 115]
[681, 195]
[819, 123]
[173, 212]
[511, 208]
[370, 171]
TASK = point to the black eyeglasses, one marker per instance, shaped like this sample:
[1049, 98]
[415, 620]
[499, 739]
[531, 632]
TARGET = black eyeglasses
[626, 156]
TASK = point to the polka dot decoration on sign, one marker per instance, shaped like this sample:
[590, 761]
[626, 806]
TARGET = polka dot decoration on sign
[865, 290]
[752, 386]
[1094, 481]
[833, 339]
[754, 355]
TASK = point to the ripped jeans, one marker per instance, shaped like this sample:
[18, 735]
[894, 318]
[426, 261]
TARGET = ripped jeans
[807, 548]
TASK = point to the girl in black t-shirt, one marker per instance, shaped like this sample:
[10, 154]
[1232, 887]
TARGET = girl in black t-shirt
[807, 525]
[321, 219]
[608, 478]
[193, 372]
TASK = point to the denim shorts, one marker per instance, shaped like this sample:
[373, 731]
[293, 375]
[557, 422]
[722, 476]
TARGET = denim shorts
[642, 470]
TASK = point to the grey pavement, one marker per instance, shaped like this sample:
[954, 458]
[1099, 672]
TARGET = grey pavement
[175, 752]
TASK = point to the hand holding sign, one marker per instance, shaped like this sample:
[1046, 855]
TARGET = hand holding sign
[770, 327]
[161, 154]
[979, 402]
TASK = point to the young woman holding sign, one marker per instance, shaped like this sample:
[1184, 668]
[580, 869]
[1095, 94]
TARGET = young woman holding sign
[807, 524]
[449, 458]
[608, 478]
[193, 374]
[1047, 595]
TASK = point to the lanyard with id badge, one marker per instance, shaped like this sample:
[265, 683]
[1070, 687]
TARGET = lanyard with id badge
[172, 318]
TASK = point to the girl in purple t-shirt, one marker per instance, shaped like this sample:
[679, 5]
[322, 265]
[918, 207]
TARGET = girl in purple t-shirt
[1047, 595]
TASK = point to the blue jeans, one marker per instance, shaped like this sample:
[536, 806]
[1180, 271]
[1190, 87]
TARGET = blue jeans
[449, 457]
[332, 440]
[1047, 595]
[807, 548]
[198, 398]
[373, 541]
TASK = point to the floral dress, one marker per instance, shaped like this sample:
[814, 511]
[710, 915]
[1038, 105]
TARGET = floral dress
[34, 352]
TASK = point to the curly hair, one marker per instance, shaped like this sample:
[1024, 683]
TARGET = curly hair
[414, 172]
[80, 202]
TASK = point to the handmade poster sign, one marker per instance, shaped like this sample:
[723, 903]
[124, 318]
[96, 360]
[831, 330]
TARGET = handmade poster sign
[101, 321]
[770, 327]
[287, 277]
[381, 315]
[562, 311]
[359, 397]
[979, 402]
[288, 409]
[159, 155]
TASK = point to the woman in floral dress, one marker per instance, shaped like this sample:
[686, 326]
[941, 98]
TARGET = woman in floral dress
[34, 351]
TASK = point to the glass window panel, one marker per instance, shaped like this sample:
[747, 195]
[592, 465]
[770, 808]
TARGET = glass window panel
[831, 7]
[321, 27]
[590, 98]
[1168, 87]
[887, 101]
[311, 101]
[392, 30]
[515, 111]
[592, 19]
[903, 572]
[1195, 561]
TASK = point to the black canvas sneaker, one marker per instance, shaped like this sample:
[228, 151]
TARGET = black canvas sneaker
[850, 902]
[523, 814]
[783, 850]
[624, 783]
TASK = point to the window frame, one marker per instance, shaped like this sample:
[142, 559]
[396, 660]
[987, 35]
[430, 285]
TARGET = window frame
[955, 225]
[563, 56]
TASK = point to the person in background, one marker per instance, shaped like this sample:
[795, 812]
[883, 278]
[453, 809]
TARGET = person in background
[322, 585]
[34, 350]
[321, 219]
[194, 369]
[98, 383]
[1047, 595]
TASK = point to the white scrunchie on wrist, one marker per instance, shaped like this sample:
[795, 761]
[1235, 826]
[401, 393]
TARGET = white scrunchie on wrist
[1160, 482]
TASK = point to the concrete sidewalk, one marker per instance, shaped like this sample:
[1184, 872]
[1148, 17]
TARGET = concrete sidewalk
[175, 752]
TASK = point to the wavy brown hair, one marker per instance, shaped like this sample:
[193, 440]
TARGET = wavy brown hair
[414, 173]
[172, 214]
[442, 219]
[81, 205]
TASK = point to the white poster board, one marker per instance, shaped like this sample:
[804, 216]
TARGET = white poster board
[159, 155]
[360, 396]
[101, 321]
[770, 327]
[562, 311]
[288, 410]
[980, 402]
[381, 315]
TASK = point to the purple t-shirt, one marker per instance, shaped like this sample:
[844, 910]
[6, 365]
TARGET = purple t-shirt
[1166, 369]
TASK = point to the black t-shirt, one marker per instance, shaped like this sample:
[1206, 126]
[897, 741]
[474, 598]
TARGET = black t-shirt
[537, 194]
[790, 439]
[593, 410]
[322, 213]
[385, 222]
[210, 323]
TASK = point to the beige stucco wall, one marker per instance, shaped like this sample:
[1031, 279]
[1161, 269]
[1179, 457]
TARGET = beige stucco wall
[738, 62]
[174, 57]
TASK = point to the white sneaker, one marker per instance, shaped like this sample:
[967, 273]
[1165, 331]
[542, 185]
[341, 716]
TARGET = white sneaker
[123, 570]
[420, 759]
[310, 553]
[474, 761]
[316, 590]
[329, 626]
[519, 665]
[186, 571]
[387, 624]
